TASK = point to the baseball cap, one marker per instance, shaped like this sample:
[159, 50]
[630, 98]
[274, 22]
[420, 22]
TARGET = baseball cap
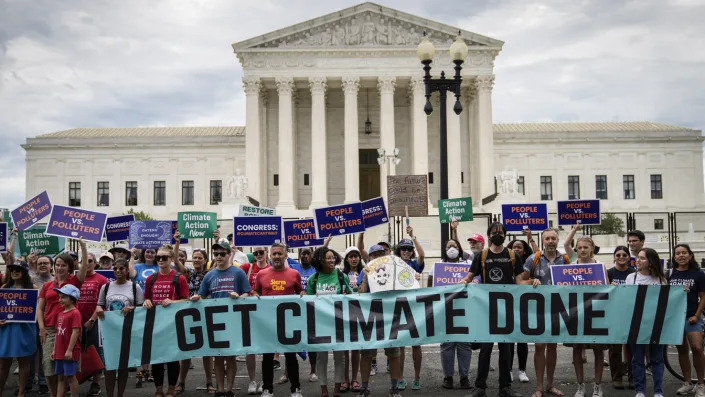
[477, 237]
[406, 243]
[73, 254]
[384, 244]
[69, 290]
[351, 249]
[375, 248]
[107, 254]
[119, 247]
[221, 245]
[21, 264]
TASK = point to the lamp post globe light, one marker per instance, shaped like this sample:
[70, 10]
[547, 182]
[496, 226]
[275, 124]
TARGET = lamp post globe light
[458, 53]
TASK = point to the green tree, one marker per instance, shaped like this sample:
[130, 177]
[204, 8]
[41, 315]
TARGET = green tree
[140, 215]
[611, 224]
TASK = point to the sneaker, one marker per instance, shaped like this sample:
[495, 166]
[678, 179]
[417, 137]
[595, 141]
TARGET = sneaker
[252, 388]
[260, 386]
[687, 388]
[394, 393]
[700, 391]
[17, 370]
[522, 377]
[597, 390]
[465, 383]
[277, 365]
[43, 389]
[606, 362]
[581, 390]
[149, 376]
[94, 390]
[140, 379]
[416, 384]
[313, 378]
[658, 395]
[640, 394]
[401, 385]
[477, 392]
[296, 393]
[492, 368]
[373, 370]
[648, 371]
[266, 393]
[364, 393]
[283, 379]
[508, 392]
[447, 382]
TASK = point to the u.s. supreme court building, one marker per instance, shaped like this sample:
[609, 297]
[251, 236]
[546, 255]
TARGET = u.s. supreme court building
[324, 95]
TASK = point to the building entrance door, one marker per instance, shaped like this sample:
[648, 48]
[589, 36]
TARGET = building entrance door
[369, 174]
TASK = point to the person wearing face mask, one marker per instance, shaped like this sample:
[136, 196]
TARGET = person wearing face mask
[497, 265]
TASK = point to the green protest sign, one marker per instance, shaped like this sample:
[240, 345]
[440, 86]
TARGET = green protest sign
[34, 240]
[249, 210]
[8, 219]
[196, 224]
[459, 209]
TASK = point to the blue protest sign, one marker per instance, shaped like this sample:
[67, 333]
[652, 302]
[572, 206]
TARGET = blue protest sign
[301, 233]
[18, 305]
[449, 273]
[518, 216]
[31, 212]
[339, 220]
[579, 274]
[76, 223]
[3, 236]
[257, 231]
[374, 212]
[572, 211]
[150, 234]
[118, 227]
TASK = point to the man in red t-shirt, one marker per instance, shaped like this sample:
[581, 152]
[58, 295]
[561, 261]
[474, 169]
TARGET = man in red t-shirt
[279, 279]
[67, 350]
[86, 305]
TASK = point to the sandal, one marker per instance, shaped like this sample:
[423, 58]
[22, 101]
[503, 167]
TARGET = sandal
[355, 386]
[180, 388]
[345, 386]
[537, 393]
[171, 392]
[210, 389]
[554, 392]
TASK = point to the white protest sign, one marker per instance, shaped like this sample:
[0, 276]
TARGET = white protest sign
[390, 273]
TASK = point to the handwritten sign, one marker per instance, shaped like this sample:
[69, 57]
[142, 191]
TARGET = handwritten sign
[339, 220]
[76, 223]
[374, 212]
[3, 236]
[390, 273]
[117, 228]
[31, 212]
[458, 209]
[518, 216]
[301, 233]
[407, 191]
[34, 240]
[197, 224]
[449, 273]
[585, 211]
[150, 234]
[584, 274]
[257, 231]
[18, 305]
[249, 210]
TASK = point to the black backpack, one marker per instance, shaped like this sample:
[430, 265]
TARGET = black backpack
[134, 293]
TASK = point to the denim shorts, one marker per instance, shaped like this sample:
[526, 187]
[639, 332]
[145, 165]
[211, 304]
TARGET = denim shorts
[697, 327]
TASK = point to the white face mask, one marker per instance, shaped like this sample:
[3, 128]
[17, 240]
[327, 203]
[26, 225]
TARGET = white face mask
[452, 252]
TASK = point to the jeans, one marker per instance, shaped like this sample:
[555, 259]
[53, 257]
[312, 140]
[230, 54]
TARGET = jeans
[448, 353]
[505, 366]
[639, 369]
[292, 369]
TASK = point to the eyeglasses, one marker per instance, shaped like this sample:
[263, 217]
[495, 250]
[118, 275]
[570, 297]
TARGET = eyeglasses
[260, 252]
[162, 257]
[220, 253]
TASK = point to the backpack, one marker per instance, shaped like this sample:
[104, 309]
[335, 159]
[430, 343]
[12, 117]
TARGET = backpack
[341, 281]
[483, 258]
[134, 293]
[537, 260]
[153, 278]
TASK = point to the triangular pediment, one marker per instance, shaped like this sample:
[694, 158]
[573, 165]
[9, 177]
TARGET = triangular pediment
[363, 26]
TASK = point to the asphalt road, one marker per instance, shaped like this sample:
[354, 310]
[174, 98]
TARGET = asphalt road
[431, 378]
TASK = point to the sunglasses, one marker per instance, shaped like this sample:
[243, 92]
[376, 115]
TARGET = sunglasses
[15, 270]
[162, 258]
[258, 253]
[220, 253]
[407, 249]
[621, 255]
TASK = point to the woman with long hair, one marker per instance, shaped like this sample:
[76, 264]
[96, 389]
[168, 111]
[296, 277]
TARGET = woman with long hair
[352, 267]
[688, 274]
[619, 355]
[523, 250]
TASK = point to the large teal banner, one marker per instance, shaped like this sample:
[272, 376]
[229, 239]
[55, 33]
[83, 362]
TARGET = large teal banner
[475, 313]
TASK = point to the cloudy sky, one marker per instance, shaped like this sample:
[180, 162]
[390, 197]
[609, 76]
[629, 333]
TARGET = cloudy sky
[99, 63]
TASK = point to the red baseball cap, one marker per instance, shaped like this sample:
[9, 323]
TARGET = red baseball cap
[477, 237]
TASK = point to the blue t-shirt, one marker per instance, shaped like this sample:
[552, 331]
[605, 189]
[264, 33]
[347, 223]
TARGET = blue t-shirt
[220, 283]
[143, 272]
[416, 266]
[304, 272]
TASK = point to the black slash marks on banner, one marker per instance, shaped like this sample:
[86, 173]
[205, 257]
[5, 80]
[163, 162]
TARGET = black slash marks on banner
[638, 314]
[660, 313]
[126, 339]
[147, 338]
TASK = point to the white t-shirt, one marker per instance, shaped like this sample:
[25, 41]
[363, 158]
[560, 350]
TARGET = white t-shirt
[120, 296]
[641, 279]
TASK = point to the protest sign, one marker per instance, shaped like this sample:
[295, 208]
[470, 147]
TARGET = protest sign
[449, 273]
[459, 209]
[249, 210]
[301, 233]
[76, 223]
[117, 228]
[579, 274]
[34, 240]
[257, 231]
[3, 237]
[572, 211]
[390, 273]
[193, 224]
[407, 192]
[174, 228]
[513, 313]
[31, 212]
[7, 218]
[18, 305]
[339, 220]
[374, 212]
[518, 216]
[150, 234]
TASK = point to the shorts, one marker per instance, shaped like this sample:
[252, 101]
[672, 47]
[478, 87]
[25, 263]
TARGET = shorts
[48, 351]
[66, 367]
[390, 352]
[697, 327]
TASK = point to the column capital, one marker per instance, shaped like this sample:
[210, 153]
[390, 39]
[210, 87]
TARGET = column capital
[351, 85]
[417, 85]
[285, 85]
[386, 84]
[252, 85]
[317, 84]
[484, 83]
